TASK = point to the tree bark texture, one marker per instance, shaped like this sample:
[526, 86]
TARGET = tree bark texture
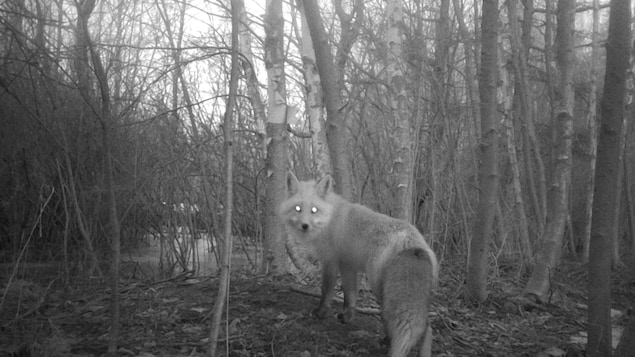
[402, 165]
[534, 164]
[521, 86]
[606, 179]
[315, 102]
[487, 156]
[557, 198]
[276, 260]
[592, 125]
[336, 130]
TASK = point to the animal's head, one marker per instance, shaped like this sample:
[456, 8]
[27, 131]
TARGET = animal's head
[306, 209]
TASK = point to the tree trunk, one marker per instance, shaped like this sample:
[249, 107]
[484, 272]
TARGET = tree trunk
[40, 41]
[225, 268]
[112, 228]
[521, 85]
[336, 131]
[320, 163]
[628, 201]
[349, 29]
[470, 68]
[250, 75]
[82, 39]
[548, 54]
[276, 260]
[314, 102]
[619, 195]
[534, 165]
[473, 97]
[557, 206]
[403, 163]
[253, 90]
[606, 180]
[488, 156]
[84, 83]
[592, 125]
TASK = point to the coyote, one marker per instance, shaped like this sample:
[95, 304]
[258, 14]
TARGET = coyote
[350, 238]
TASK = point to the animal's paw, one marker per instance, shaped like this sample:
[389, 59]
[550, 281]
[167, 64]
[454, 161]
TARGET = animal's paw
[346, 316]
[321, 312]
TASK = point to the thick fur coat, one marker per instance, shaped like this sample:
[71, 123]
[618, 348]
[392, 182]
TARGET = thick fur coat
[352, 239]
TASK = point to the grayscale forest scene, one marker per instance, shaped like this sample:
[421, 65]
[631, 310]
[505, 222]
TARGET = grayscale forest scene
[317, 178]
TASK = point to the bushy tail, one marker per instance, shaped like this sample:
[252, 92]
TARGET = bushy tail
[407, 281]
[406, 337]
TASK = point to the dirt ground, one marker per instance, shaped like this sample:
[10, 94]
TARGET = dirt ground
[40, 317]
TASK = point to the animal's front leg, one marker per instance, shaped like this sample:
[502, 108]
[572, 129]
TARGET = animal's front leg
[349, 285]
[329, 279]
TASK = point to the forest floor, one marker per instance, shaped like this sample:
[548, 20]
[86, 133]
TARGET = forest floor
[272, 318]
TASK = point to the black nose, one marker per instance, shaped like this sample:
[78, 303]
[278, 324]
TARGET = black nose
[305, 226]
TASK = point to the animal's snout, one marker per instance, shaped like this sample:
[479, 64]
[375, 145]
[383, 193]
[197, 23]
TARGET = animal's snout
[304, 226]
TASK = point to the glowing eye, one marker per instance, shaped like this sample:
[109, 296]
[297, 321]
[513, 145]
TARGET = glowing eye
[298, 209]
[314, 209]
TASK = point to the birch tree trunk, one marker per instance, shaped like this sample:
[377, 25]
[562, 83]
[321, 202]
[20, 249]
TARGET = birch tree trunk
[402, 166]
[488, 156]
[607, 175]
[557, 206]
[276, 261]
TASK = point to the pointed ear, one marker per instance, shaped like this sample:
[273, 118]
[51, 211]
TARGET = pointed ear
[292, 183]
[324, 186]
